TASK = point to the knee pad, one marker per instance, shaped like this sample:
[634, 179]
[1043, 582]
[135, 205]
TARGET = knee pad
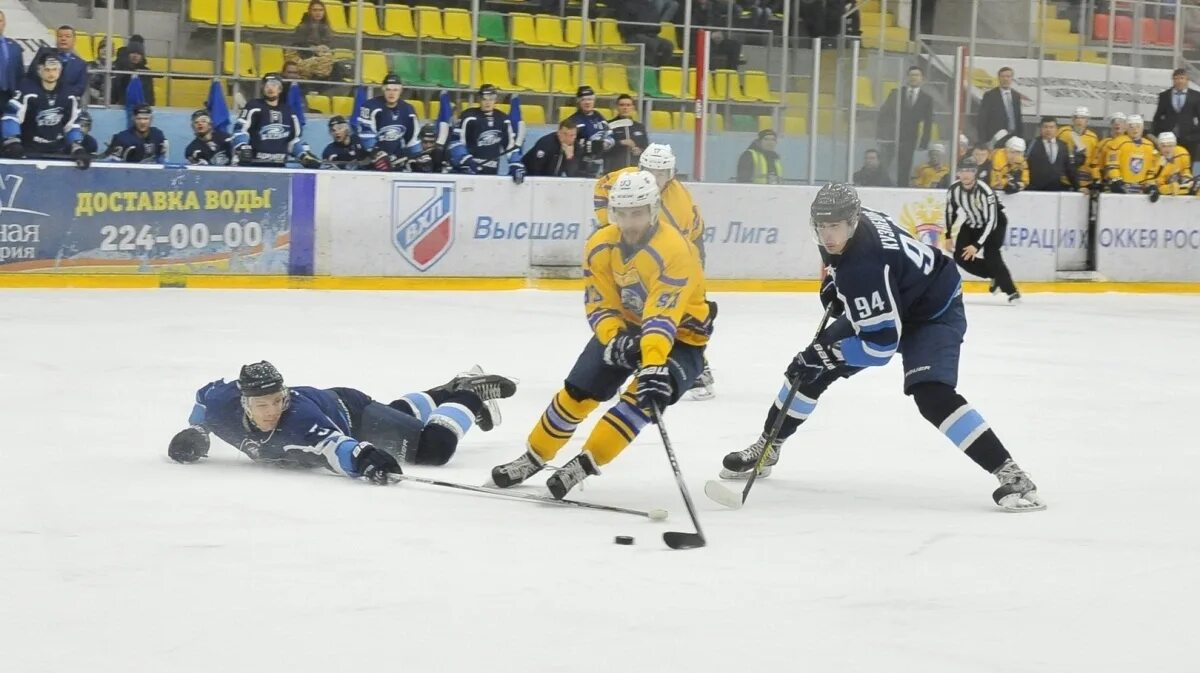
[578, 394]
[437, 445]
[936, 401]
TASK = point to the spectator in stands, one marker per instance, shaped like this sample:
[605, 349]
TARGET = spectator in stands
[1178, 112]
[665, 9]
[1000, 110]
[133, 59]
[12, 65]
[312, 40]
[726, 52]
[930, 173]
[553, 155]
[629, 135]
[638, 23]
[906, 123]
[872, 173]
[74, 80]
[1051, 166]
[760, 163]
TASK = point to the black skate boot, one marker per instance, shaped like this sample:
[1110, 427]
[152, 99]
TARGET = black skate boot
[1017, 492]
[1014, 299]
[993, 287]
[740, 464]
[702, 389]
[567, 477]
[489, 388]
[517, 471]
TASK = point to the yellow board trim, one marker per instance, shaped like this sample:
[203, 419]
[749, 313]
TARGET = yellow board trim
[420, 283]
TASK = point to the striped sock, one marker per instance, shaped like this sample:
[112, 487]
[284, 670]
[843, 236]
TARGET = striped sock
[417, 405]
[453, 416]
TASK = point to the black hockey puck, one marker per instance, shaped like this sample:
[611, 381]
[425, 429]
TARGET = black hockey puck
[623, 539]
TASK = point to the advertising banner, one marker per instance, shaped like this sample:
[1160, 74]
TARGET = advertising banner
[1140, 241]
[1062, 86]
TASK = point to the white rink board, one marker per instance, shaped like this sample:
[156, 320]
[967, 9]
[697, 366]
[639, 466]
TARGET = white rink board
[1141, 241]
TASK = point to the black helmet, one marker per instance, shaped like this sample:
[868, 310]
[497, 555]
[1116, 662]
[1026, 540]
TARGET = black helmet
[272, 77]
[488, 90]
[259, 378]
[967, 163]
[202, 113]
[584, 91]
[391, 78]
[836, 202]
[142, 109]
[335, 120]
[428, 132]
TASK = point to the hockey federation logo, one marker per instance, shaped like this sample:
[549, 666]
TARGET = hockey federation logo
[422, 221]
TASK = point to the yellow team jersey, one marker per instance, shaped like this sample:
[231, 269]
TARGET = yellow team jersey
[678, 209]
[1133, 161]
[1098, 162]
[927, 175]
[1080, 144]
[1004, 173]
[658, 288]
[1175, 174]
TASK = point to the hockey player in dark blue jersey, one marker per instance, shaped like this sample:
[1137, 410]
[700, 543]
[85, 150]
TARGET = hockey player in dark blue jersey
[487, 132]
[85, 127]
[431, 158]
[267, 131]
[210, 147]
[593, 138]
[341, 429]
[388, 127]
[896, 295]
[346, 152]
[141, 143]
[41, 120]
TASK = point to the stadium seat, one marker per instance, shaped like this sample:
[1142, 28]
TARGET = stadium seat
[523, 29]
[375, 67]
[336, 12]
[866, 92]
[565, 111]
[408, 68]
[873, 20]
[457, 24]
[419, 108]
[1062, 40]
[734, 88]
[650, 83]
[1056, 25]
[561, 80]
[660, 120]
[1100, 23]
[1122, 27]
[795, 126]
[245, 60]
[575, 32]
[199, 66]
[270, 58]
[370, 16]
[670, 82]
[463, 71]
[590, 76]
[319, 103]
[531, 75]
[607, 33]
[743, 124]
[294, 11]
[1149, 32]
[797, 101]
[1166, 32]
[765, 122]
[895, 38]
[429, 24]
[342, 105]
[614, 78]
[85, 48]
[495, 72]
[718, 84]
[668, 33]
[398, 20]
[533, 115]
[550, 31]
[185, 93]
[686, 121]
[439, 71]
[755, 86]
[491, 27]
[204, 11]
[266, 14]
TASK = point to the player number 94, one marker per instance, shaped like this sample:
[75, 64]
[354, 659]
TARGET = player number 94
[127, 238]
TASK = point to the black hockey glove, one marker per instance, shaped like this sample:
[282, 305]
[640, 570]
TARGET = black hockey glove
[810, 363]
[829, 298]
[13, 149]
[623, 352]
[1013, 187]
[653, 388]
[245, 154]
[1154, 193]
[374, 464]
[81, 157]
[1117, 187]
[309, 160]
[189, 446]
[517, 173]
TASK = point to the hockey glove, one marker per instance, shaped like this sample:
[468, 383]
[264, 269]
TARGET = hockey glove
[1117, 187]
[189, 446]
[309, 160]
[381, 161]
[653, 388]
[245, 154]
[80, 156]
[517, 173]
[1154, 193]
[623, 352]
[1193, 187]
[810, 363]
[1012, 187]
[374, 464]
[13, 149]
[829, 297]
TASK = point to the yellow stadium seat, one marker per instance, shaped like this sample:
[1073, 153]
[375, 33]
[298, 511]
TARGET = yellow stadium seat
[523, 30]
[605, 112]
[866, 92]
[342, 105]
[370, 19]
[398, 20]
[199, 66]
[795, 126]
[565, 111]
[85, 48]
[419, 108]
[531, 75]
[375, 67]
[716, 123]
[335, 11]
[590, 77]
[887, 87]
[614, 78]
[894, 39]
[203, 11]
[660, 120]
[561, 80]
[294, 11]
[607, 33]
[686, 121]
[533, 115]
[429, 24]
[319, 103]
[550, 31]
[718, 85]
[266, 14]
[270, 58]
[463, 69]
[756, 86]
[765, 122]
[575, 32]
[873, 20]
[495, 72]
[245, 59]
[796, 101]
[670, 82]
[733, 87]
[668, 33]
[457, 24]
[186, 93]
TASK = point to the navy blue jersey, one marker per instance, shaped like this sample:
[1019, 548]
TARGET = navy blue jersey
[887, 279]
[273, 132]
[314, 430]
[45, 120]
[391, 129]
[488, 136]
[214, 151]
[350, 155]
[593, 139]
[430, 161]
[129, 147]
[89, 144]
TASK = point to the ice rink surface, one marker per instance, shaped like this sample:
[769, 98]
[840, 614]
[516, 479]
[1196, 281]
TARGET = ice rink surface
[873, 547]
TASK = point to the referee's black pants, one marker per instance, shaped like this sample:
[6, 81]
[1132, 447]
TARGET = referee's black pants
[991, 265]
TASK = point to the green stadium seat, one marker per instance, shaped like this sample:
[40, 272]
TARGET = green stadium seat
[743, 124]
[439, 71]
[650, 83]
[408, 68]
[491, 27]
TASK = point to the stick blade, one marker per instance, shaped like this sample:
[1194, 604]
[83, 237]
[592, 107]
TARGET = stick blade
[720, 494]
[677, 540]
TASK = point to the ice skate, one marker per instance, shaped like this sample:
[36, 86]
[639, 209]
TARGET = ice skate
[1017, 492]
[1014, 299]
[517, 471]
[568, 476]
[740, 464]
[702, 389]
[489, 388]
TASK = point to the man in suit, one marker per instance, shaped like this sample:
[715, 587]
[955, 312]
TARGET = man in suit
[74, 79]
[1178, 112]
[914, 110]
[12, 67]
[1051, 165]
[1000, 109]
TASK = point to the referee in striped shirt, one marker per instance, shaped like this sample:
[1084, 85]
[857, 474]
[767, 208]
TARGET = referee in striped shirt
[982, 229]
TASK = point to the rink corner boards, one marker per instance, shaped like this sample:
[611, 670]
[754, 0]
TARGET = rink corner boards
[418, 283]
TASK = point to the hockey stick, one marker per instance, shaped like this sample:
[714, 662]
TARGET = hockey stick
[675, 539]
[718, 491]
[653, 515]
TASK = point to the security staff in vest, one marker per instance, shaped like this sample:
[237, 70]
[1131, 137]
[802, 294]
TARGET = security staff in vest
[760, 163]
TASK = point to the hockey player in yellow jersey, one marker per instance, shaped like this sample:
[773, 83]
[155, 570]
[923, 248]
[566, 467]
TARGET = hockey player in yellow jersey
[930, 173]
[1133, 162]
[644, 298]
[1099, 159]
[1010, 170]
[1081, 142]
[1174, 167]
